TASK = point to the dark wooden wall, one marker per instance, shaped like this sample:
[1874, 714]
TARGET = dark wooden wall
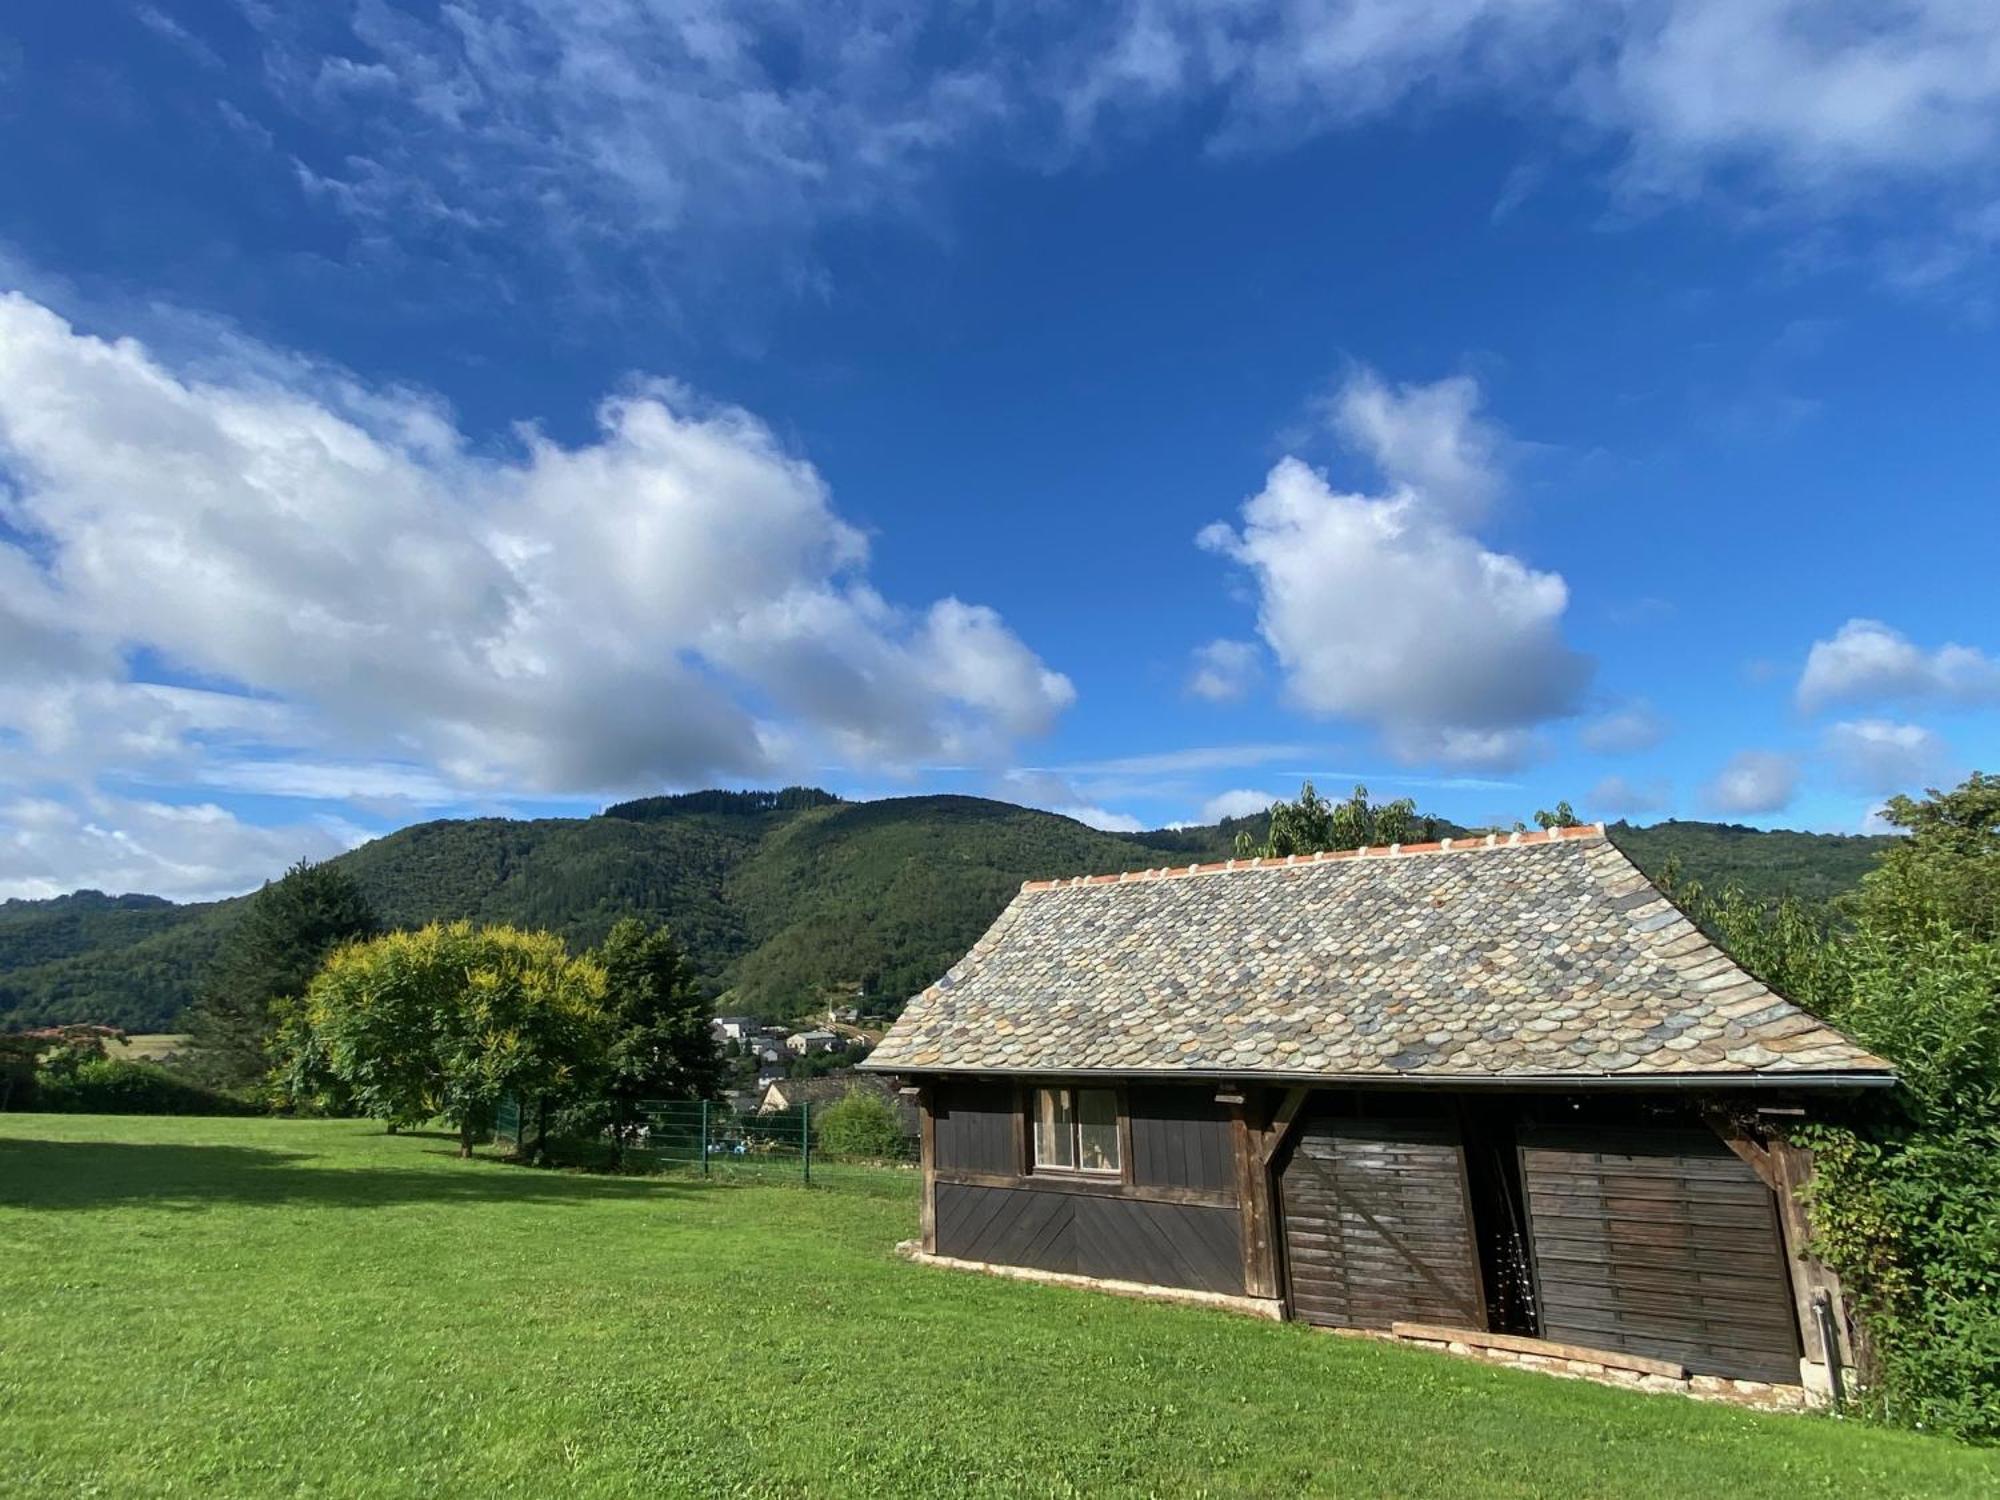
[1169, 1219]
[1180, 1139]
[1659, 1242]
[974, 1126]
[1378, 1227]
[1114, 1238]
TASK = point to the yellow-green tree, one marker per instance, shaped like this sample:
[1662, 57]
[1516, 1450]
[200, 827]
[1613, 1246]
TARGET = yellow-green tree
[452, 1018]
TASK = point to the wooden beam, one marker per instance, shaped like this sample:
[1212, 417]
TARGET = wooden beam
[1088, 1185]
[1753, 1154]
[1280, 1128]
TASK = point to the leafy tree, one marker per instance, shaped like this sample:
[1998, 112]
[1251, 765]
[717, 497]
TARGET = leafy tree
[1564, 816]
[366, 1037]
[265, 964]
[859, 1123]
[1946, 872]
[449, 1020]
[527, 1019]
[662, 1047]
[1312, 824]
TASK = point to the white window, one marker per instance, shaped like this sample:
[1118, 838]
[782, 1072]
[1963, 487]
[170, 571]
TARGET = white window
[1076, 1130]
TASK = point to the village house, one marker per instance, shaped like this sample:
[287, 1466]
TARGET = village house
[831, 1088]
[806, 1042]
[734, 1028]
[1495, 1094]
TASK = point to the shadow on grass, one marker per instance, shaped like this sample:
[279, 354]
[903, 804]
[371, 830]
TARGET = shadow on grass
[69, 1175]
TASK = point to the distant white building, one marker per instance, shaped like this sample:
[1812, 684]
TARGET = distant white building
[733, 1028]
[805, 1042]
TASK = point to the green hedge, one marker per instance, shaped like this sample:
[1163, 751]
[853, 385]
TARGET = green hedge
[112, 1086]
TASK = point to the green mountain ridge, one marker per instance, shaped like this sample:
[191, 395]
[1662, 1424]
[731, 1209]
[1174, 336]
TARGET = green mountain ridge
[781, 898]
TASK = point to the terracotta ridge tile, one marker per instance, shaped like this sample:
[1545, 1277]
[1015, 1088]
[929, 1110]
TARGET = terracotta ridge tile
[1470, 844]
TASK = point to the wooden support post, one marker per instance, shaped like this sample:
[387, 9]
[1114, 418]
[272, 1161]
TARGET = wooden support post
[1786, 1170]
[1253, 1196]
[927, 1157]
[1811, 1277]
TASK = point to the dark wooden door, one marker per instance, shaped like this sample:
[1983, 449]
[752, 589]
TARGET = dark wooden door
[1377, 1225]
[1659, 1242]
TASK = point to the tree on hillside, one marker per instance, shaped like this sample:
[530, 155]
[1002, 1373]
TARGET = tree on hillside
[1564, 816]
[265, 965]
[451, 1019]
[1312, 824]
[1948, 869]
[662, 1047]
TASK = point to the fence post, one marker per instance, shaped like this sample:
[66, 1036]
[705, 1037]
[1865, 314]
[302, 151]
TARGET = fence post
[806, 1138]
[704, 1137]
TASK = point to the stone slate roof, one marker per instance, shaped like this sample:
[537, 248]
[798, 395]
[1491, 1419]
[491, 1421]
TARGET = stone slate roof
[1521, 957]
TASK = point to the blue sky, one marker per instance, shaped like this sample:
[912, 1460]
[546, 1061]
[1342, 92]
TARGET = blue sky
[421, 410]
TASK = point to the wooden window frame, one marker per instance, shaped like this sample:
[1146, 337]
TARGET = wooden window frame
[1029, 1098]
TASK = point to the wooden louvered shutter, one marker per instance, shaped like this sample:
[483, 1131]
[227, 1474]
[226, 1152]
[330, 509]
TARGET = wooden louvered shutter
[1377, 1225]
[1659, 1242]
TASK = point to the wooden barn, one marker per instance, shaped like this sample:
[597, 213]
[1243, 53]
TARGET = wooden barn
[1495, 1092]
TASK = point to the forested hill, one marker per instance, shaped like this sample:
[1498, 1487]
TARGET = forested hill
[781, 898]
[1766, 863]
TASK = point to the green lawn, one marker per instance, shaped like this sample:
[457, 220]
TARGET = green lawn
[215, 1307]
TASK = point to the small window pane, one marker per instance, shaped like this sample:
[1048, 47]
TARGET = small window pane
[1055, 1134]
[1097, 1129]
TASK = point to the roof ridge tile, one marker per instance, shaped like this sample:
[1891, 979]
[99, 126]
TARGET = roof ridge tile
[1517, 839]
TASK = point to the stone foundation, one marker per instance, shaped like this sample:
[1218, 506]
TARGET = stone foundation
[1632, 1372]
[1605, 1367]
[1256, 1307]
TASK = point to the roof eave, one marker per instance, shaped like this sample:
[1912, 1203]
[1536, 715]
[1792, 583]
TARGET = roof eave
[1849, 1079]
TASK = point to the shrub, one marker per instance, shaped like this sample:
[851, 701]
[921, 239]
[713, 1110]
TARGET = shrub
[1906, 1196]
[859, 1124]
[1912, 1224]
[113, 1086]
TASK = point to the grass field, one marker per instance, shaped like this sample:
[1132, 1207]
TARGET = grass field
[228, 1307]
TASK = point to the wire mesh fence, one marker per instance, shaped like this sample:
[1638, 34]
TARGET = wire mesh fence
[807, 1142]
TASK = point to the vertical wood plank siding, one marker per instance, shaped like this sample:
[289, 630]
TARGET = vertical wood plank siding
[975, 1127]
[1377, 1225]
[1180, 1138]
[1659, 1242]
[1123, 1239]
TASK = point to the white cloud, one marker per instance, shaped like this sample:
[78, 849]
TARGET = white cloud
[355, 586]
[1427, 439]
[1235, 804]
[189, 853]
[1624, 731]
[1100, 818]
[1056, 794]
[1879, 756]
[570, 620]
[1384, 610]
[1754, 781]
[1223, 671]
[742, 122]
[1622, 796]
[1867, 661]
